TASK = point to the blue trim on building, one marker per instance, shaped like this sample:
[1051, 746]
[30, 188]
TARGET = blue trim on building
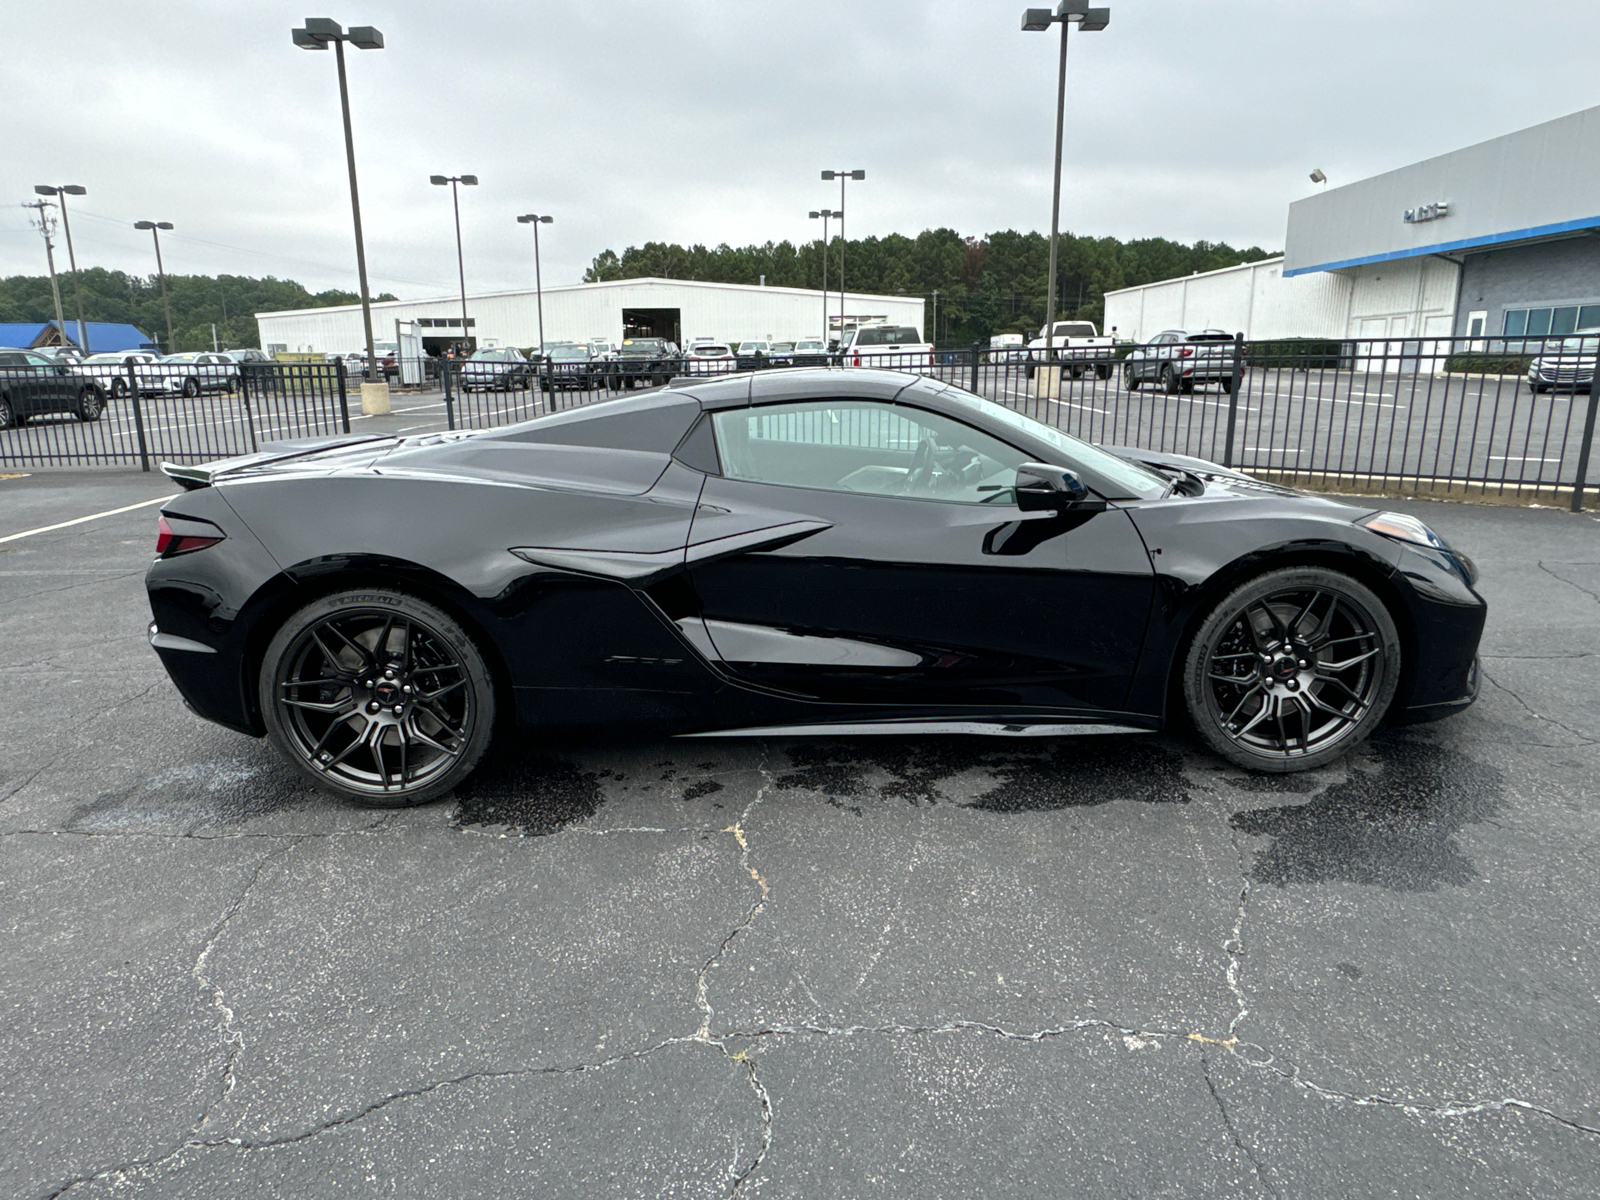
[1492, 239]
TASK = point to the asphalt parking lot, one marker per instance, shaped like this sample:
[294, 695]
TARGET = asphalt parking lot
[936, 968]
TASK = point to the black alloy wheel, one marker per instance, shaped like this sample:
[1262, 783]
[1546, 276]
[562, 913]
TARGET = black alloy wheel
[377, 697]
[91, 403]
[1292, 669]
[1130, 379]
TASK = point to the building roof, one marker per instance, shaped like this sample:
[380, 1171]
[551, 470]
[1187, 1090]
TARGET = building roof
[553, 289]
[103, 335]
[1534, 184]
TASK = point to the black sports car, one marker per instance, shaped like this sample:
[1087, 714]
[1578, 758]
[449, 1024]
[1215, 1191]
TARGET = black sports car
[787, 552]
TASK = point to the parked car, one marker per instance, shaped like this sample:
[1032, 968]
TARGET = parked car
[1077, 345]
[1008, 348]
[66, 355]
[715, 559]
[598, 348]
[189, 374]
[499, 369]
[643, 360]
[570, 366]
[110, 371]
[891, 345]
[1567, 365]
[32, 385]
[1178, 360]
[810, 352]
[248, 354]
[754, 354]
[710, 358]
[782, 354]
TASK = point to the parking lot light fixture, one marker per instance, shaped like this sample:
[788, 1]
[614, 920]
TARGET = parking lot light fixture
[825, 213]
[61, 192]
[155, 228]
[843, 177]
[1039, 20]
[536, 220]
[318, 34]
[461, 265]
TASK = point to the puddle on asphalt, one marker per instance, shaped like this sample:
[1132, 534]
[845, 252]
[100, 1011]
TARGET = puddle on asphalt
[530, 793]
[1392, 822]
[1070, 773]
[221, 793]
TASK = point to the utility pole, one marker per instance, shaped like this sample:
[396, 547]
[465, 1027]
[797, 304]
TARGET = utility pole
[45, 223]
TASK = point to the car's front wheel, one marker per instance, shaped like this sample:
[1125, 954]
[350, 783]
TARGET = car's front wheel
[1130, 380]
[191, 387]
[1292, 669]
[8, 415]
[91, 403]
[377, 696]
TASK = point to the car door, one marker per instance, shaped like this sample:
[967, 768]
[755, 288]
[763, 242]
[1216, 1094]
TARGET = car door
[52, 385]
[882, 559]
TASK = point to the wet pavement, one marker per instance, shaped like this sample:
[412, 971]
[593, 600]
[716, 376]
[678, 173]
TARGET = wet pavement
[939, 967]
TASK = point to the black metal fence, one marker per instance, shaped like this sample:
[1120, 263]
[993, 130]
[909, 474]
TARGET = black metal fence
[133, 412]
[1437, 416]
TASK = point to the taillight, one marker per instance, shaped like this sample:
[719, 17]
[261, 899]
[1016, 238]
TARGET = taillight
[180, 535]
[1185, 351]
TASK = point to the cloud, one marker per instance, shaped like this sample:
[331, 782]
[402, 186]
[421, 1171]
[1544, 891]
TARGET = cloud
[709, 121]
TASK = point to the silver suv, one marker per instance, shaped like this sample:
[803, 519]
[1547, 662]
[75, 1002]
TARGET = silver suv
[1177, 360]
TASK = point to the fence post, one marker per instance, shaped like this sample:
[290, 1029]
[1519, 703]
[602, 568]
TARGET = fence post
[1233, 397]
[344, 399]
[449, 401]
[1585, 446]
[976, 346]
[138, 415]
[244, 399]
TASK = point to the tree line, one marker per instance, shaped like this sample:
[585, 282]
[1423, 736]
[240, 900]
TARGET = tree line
[198, 301]
[997, 283]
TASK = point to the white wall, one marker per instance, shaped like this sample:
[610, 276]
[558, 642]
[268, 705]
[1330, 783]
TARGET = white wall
[579, 312]
[1402, 298]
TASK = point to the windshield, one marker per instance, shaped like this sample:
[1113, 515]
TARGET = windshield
[180, 358]
[1210, 336]
[782, 347]
[1074, 329]
[1587, 345]
[754, 347]
[808, 345]
[1139, 481]
[492, 356]
[712, 351]
[568, 354]
[889, 335]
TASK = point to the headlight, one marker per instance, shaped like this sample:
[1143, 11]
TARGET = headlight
[1408, 529]
[1403, 528]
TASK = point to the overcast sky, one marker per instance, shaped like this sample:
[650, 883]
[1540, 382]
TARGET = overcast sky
[709, 121]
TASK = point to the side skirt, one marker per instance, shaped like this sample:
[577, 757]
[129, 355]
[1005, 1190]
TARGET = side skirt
[902, 728]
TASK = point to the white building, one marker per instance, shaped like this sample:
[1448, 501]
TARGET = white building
[1413, 297]
[1500, 239]
[676, 309]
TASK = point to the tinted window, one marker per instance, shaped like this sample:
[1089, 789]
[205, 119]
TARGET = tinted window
[894, 335]
[12, 359]
[867, 447]
[1074, 329]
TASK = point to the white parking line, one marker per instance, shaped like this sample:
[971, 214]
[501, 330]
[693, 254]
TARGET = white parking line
[110, 512]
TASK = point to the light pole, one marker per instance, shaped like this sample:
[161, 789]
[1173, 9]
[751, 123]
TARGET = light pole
[1039, 20]
[317, 34]
[842, 176]
[825, 213]
[536, 220]
[61, 193]
[161, 272]
[461, 263]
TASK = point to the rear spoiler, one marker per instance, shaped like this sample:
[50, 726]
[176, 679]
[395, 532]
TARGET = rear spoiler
[205, 474]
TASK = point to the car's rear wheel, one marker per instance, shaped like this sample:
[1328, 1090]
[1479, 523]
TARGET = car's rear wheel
[1292, 669]
[8, 415]
[378, 697]
[1170, 380]
[91, 403]
[1129, 379]
[119, 388]
[1227, 385]
[191, 387]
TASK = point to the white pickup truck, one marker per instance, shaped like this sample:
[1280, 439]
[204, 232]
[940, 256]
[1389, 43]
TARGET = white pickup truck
[890, 345]
[1076, 345]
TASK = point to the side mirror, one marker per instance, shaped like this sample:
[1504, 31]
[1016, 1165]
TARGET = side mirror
[1045, 488]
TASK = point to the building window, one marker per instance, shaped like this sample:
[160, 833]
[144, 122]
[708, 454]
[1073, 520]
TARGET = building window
[1554, 322]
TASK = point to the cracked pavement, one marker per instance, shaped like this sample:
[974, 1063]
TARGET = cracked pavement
[944, 967]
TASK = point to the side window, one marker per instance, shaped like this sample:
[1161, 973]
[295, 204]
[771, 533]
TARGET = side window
[867, 447]
[12, 359]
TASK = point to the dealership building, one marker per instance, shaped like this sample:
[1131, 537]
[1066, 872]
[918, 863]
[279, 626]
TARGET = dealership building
[1498, 239]
[676, 309]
